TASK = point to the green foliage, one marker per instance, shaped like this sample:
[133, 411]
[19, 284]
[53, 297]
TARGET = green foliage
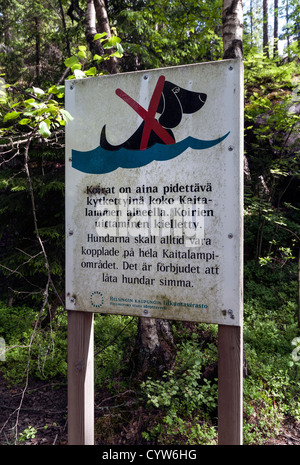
[270, 309]
[114, 336]
[47, 355]
[36, 113]
[181, 395]
[22, 263]
[272, 209]
[42, 351]
[28, 433]
[175, 430]
[77, 63]
[28, 115]
[157, 34]
[272, 388]
[262, 416]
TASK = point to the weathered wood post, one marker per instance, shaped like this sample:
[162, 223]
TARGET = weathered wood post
[230, 385]
[80, 378]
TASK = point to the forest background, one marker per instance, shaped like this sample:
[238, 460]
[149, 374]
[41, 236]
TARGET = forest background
[42, 43]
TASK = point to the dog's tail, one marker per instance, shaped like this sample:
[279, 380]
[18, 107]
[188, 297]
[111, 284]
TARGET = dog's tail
[105, 144]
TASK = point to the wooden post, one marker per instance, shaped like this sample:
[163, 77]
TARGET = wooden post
[80, 378]
[230, 385]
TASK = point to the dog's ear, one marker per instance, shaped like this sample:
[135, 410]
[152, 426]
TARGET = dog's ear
[169, 106]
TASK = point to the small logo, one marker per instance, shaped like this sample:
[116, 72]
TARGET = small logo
[2, 349]
[295, 100]
[96, 299]
[295, 355]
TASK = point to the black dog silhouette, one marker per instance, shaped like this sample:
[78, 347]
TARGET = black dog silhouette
[173, 103]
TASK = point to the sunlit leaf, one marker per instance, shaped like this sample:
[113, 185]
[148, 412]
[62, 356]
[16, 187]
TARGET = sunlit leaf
[100, 36]
[44, 129]
[11, 115]
[24, 121]
[38, 91]
[66, 115]
[91, 71]
[72, 61]
[79, 74]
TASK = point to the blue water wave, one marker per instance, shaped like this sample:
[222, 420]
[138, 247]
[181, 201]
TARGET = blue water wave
[101, 161]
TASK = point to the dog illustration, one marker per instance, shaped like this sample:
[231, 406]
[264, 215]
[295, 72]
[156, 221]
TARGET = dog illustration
[173, 103]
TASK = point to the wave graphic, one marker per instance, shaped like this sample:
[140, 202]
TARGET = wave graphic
[101, 161]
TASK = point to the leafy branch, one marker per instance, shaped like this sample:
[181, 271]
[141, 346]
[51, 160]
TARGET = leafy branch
[35, 118]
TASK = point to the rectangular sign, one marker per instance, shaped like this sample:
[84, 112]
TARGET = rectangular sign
[154, 197]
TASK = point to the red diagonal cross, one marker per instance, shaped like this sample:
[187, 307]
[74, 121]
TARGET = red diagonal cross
[149, 116]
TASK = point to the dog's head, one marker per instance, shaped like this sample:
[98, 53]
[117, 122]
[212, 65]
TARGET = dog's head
[175, 101]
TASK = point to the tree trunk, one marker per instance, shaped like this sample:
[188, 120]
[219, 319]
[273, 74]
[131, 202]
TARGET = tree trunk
[90, 29]
[74, 11]
[275, 35]
[65, 28]
[37, 49]
[96, 20]
[103, 23]
[6, 28]
[155, 351]
[265, 28]
[251, 22]
[287, 17]
[232, 19]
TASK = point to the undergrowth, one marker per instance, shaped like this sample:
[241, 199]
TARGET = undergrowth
[179, 407]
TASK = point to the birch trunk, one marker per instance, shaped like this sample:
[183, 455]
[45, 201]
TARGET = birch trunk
[91, 30]
[96, 21]
[155, 351]
[275, 45]
[232, 19]
[37, 49]
[265, 28]
[103, 25]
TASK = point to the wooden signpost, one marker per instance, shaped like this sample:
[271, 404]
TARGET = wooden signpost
[154, 207]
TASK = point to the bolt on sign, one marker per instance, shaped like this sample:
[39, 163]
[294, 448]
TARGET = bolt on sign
[154, 172]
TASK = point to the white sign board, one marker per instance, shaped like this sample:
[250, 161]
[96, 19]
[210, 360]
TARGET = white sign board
[154, 173]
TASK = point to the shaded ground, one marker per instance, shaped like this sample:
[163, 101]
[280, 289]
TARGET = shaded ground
[44, 408]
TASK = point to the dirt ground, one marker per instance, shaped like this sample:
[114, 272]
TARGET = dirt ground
[44, 408]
